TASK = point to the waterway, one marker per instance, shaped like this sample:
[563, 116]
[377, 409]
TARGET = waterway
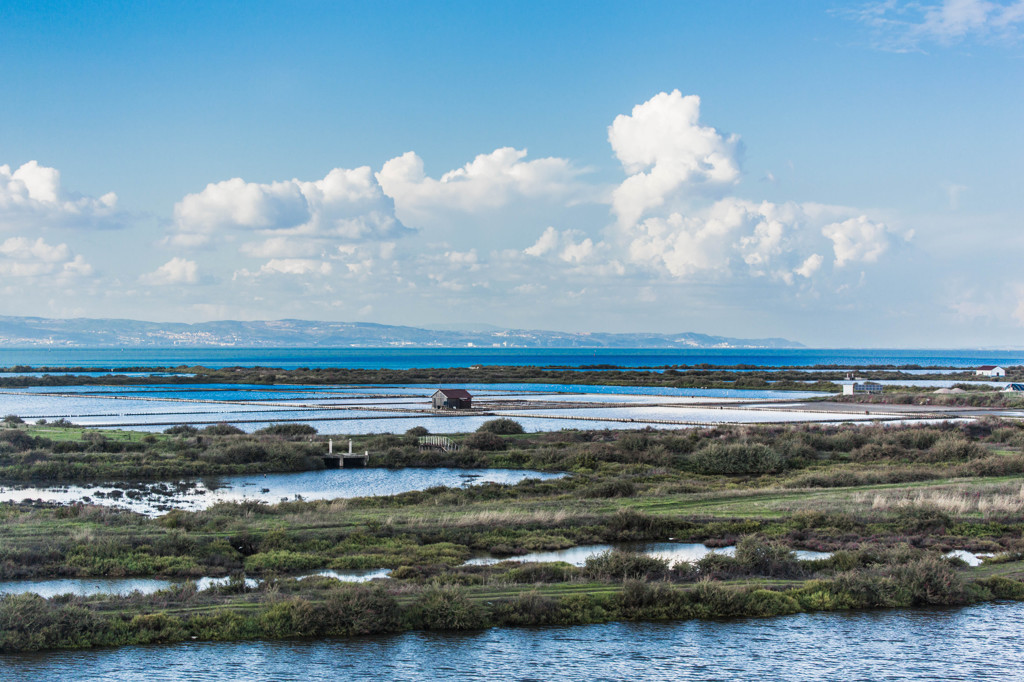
[329, 484]
[974, 643]
[672, 552]
[83, 587]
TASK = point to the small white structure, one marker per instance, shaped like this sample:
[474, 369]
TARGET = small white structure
[866, 387]
[990, 371]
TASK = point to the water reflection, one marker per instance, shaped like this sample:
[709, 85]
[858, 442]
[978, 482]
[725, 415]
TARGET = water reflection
[671, 552]
[270, 488]
[84, 587]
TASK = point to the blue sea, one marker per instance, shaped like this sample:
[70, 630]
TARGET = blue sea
[427, 358]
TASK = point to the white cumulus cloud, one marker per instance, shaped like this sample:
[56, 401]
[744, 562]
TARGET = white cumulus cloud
[566, 245]
[489, 181]
[664, 149]
[32, 197]
[297, 217]
[175, 271]
[735, 238]
[295, 266]
[857, 239]
[810, 265]
[22, 257]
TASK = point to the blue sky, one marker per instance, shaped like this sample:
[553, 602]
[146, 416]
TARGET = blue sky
[842, 174]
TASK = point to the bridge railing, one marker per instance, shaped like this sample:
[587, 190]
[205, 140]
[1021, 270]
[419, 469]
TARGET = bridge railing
[441, 442]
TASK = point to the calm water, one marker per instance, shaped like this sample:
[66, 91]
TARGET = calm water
[405, 358]
[272, 488]
[125, 586]
[974, 643]
[671, 552]
[385, 409]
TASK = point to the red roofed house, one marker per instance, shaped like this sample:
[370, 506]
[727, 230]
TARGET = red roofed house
[452, 399]
[990, 371]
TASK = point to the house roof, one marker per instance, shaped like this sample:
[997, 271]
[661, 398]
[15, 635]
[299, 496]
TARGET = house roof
[457, 393]
[988, 367]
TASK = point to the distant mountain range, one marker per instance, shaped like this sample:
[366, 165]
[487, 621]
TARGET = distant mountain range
[114, 333]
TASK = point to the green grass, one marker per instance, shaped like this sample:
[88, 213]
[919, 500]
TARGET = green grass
[77, 433]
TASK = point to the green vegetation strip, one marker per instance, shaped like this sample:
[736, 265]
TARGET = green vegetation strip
[887, 501]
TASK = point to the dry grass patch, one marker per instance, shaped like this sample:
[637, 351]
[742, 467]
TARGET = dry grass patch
[986, 500]
[495, 517]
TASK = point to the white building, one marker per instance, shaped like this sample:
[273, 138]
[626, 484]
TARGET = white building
[866, 387]
[990, 371]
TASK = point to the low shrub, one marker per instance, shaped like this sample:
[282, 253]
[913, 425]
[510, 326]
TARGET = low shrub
[287, 430]
[737, 458]
[485, 440]
[504, 427]
[616, 564]
[445, 608]
[222, 429]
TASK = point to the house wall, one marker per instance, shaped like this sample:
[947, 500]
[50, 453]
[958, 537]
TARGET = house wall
[440, 402]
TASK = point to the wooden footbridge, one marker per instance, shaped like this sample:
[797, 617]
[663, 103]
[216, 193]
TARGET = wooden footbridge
[344, 461]
[442, 443]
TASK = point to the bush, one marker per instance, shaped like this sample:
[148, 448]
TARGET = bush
[485, 440]
[13, 419]
[19, 440]
[616, 488]
[181, 430]
[764, 603]
[619, 565]
[418, 431]
[1003, 588]
[530, 608]
[923, 519]
[446, 608]
[642, 600]
[954, 449]
[362, 610]
[931, 581]
[287, 430]
[738, 458]
[504, 427]
[294, 618]
[766, 558]
[222, 429]
[245, 452]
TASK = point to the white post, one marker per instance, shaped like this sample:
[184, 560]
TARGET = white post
[350, 446]
[330, 446]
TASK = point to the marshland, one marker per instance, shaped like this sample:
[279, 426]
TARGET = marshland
[883, 505]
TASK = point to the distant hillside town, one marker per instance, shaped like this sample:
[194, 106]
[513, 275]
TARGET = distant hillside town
[117, 333]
